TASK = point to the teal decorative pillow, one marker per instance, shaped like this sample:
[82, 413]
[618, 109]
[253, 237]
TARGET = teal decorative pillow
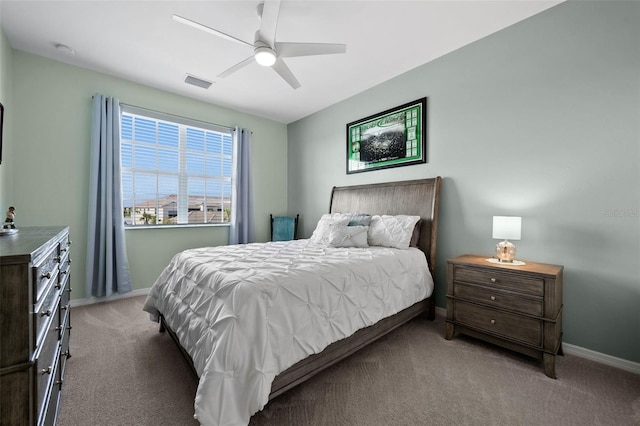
[359, 220]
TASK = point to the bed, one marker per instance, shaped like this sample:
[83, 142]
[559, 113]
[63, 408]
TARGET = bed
[250, 318]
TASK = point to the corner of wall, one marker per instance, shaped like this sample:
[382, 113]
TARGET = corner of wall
[6, 98]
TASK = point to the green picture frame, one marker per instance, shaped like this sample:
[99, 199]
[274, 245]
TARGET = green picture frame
[393, 138]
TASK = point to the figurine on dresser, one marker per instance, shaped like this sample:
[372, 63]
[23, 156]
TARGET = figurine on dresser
[9, 221]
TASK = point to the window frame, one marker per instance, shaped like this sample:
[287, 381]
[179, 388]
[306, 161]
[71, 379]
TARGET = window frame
[183, 123]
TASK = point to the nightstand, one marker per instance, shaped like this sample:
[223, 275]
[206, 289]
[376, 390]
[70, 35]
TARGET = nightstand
[516, 307]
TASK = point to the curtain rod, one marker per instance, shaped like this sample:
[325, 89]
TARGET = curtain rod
[173, 115]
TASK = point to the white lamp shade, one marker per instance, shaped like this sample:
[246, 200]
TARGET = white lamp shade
[507, 227]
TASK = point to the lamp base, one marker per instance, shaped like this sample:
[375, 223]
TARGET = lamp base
[505, 251]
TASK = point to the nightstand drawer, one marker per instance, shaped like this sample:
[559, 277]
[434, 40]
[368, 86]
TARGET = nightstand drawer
[504, 280]
[498, 298]
[525, 329]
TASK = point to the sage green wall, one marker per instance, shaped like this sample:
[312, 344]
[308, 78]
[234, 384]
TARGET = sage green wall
[52, 106]
[540, 120]
[6, 98]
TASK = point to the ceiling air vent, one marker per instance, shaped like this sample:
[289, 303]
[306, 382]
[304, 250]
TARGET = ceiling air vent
[190, 79]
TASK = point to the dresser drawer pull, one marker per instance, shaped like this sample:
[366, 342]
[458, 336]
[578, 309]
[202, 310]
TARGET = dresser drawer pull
[57, 259]
[63, 249]
[66, 354]
[46, 370]
[492, 321]
[59, 382]
[70, 327]
[57, 286]
[492, 298]
[493, 280]
[47, 275]
[58, 328]
[69, 261]
[63, 272]
[46, 313]
[65, 307]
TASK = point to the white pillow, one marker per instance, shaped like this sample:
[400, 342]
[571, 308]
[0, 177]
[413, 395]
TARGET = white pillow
[392, 231]
[327, 221]
[348, 236]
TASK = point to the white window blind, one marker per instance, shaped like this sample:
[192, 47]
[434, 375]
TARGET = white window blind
[174, 170]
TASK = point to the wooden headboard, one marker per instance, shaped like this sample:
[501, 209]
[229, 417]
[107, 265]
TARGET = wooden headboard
[411, 197]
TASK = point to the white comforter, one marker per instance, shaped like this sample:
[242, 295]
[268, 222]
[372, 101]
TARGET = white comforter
[247, 312]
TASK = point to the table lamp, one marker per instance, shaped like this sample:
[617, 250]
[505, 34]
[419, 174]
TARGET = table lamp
[506, 228]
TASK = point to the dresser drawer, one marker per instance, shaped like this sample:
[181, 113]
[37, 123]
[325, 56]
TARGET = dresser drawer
[45, 365]
[46, 313]
[65, 262]
[503, 280]
[64, 346]
[45, 272]
[513, 326]
[499, 298]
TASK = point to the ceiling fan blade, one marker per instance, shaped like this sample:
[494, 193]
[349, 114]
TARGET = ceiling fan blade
[281, 68]
[269, 21]
[209, 30]
[290, 50]
[236, 67]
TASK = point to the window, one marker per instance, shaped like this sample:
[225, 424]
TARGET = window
[174, 170]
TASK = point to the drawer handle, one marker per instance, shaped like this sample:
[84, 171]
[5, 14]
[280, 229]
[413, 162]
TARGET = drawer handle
[70, 327]
[46, 313]
[493, 280]
[63, 272]
[58, 328]
[47, 275]
[65, 307]
[59, 382]
[57, 259]
[69, 261]
[57, 286]
[492, 321]
[66, 354]
[69, 243]
[46, 371]
[492, 298]
[69, 289]
[63, 249]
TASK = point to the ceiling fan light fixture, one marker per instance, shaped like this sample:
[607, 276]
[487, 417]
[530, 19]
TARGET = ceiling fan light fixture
[265, 56]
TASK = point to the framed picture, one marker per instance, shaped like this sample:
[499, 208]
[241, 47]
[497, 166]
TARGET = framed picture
[393, 138]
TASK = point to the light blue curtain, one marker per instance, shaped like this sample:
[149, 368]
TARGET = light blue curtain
[107, 265]
[241, 230]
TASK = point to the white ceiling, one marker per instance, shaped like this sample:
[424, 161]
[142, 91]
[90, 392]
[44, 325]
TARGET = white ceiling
[139, 41]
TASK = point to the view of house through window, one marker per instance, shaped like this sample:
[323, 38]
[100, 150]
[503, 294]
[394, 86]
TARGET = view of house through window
[174, 170]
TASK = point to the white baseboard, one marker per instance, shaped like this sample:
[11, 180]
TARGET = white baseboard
[612, 361]
[609, 360]
[92, 300]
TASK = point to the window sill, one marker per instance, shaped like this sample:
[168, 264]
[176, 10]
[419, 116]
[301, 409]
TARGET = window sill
[186, 225]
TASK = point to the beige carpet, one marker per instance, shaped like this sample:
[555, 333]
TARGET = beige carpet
[123, 372]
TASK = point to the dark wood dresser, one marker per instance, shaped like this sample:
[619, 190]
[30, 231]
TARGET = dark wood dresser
[34, 323]
[517, 307]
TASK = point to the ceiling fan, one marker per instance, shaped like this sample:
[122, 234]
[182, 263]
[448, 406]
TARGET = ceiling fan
[266, 50]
